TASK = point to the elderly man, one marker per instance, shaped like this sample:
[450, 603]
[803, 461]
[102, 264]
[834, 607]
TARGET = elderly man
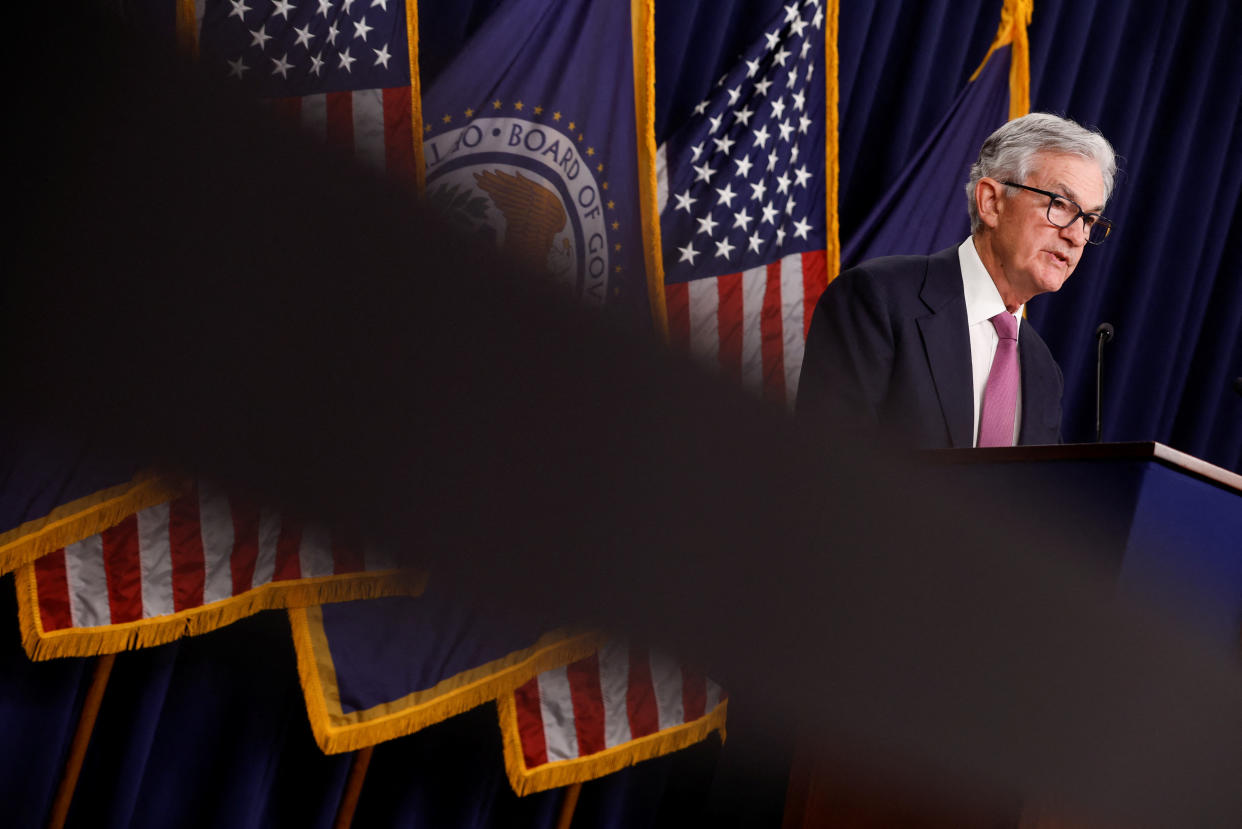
[930, 350]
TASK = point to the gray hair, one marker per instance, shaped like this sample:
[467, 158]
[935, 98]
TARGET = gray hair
[1009, 152]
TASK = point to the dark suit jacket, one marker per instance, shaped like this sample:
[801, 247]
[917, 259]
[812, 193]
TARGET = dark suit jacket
[888, 351]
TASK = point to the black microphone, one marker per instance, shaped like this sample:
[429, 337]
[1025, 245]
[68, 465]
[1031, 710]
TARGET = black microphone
[1103, 334]
[1237, 385]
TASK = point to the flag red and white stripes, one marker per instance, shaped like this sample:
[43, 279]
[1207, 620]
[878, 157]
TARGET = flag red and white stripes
[200, 548]
[751, 325]
[373, 124]
[611, 698]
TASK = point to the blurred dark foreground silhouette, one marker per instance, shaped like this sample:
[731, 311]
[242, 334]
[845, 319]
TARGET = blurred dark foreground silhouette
[198, 288]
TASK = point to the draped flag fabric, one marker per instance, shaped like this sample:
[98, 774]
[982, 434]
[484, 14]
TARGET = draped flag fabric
[186, 565]
[339, 68]
[925, 209]
[742, 195]
[572, 707]
[375, 670]
[109, 559]
[530, 139]
[609, 710]
[530, 142]
[54, 494]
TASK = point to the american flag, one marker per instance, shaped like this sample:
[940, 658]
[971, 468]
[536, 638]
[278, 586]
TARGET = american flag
[741, 194]
[193, 552]
[622, 704]
[340, 68]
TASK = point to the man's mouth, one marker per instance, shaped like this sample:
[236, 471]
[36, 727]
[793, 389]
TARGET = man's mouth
[1059, 258]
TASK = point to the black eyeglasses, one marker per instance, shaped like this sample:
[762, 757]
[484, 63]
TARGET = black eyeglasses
[1063, 212]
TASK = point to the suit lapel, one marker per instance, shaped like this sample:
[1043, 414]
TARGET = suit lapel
[947, 344]
[1037, 392]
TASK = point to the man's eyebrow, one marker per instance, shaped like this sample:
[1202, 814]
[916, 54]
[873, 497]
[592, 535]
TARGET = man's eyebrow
[1069, 193]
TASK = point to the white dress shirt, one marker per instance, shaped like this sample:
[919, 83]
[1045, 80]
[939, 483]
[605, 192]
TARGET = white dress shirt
[983, 302]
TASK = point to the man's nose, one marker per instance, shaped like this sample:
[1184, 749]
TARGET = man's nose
[1076, 231]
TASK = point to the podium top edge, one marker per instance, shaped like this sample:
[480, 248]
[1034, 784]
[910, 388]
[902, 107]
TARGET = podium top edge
[1147, 450]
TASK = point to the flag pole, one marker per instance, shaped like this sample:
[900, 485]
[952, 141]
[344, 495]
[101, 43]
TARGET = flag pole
[353, 788]
[568, 806]
[81, 739]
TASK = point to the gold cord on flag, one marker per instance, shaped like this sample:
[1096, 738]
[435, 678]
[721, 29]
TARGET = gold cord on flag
[416, 95]
[832, 140]
[642, 37]
[1015, 17]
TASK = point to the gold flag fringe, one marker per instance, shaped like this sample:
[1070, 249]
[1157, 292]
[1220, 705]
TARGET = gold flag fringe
[1015, 17]
[416, 95]
[91, 515]
[642, 39]
[336, 732]
[581, 769]
[832, 141]
[159, 630]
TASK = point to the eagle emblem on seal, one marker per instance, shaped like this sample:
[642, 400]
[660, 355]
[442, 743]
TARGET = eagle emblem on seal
[533, 216]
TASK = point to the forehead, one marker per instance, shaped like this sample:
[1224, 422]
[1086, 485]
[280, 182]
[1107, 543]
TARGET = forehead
[1076, 177]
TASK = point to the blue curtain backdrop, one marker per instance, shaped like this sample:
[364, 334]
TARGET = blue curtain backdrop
[213, 731]
[1164, 82]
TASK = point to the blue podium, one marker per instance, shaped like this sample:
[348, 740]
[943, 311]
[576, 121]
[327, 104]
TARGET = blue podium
[1166, 524]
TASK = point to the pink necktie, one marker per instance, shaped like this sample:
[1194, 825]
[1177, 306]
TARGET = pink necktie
[1000, 398]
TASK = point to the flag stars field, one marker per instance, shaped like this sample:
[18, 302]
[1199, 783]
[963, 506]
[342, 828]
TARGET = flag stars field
[304, 36]
[751, 129]
[259, 37]
[289, 34]
[281, 66]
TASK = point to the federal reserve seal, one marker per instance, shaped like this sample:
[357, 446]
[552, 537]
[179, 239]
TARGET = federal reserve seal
[529, 187]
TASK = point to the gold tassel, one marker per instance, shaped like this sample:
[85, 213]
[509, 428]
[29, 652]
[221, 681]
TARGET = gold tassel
[1015, 17]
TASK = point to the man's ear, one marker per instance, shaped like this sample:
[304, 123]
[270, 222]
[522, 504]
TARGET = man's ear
[989, 200]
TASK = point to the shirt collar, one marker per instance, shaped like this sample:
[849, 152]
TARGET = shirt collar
[983, 301]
